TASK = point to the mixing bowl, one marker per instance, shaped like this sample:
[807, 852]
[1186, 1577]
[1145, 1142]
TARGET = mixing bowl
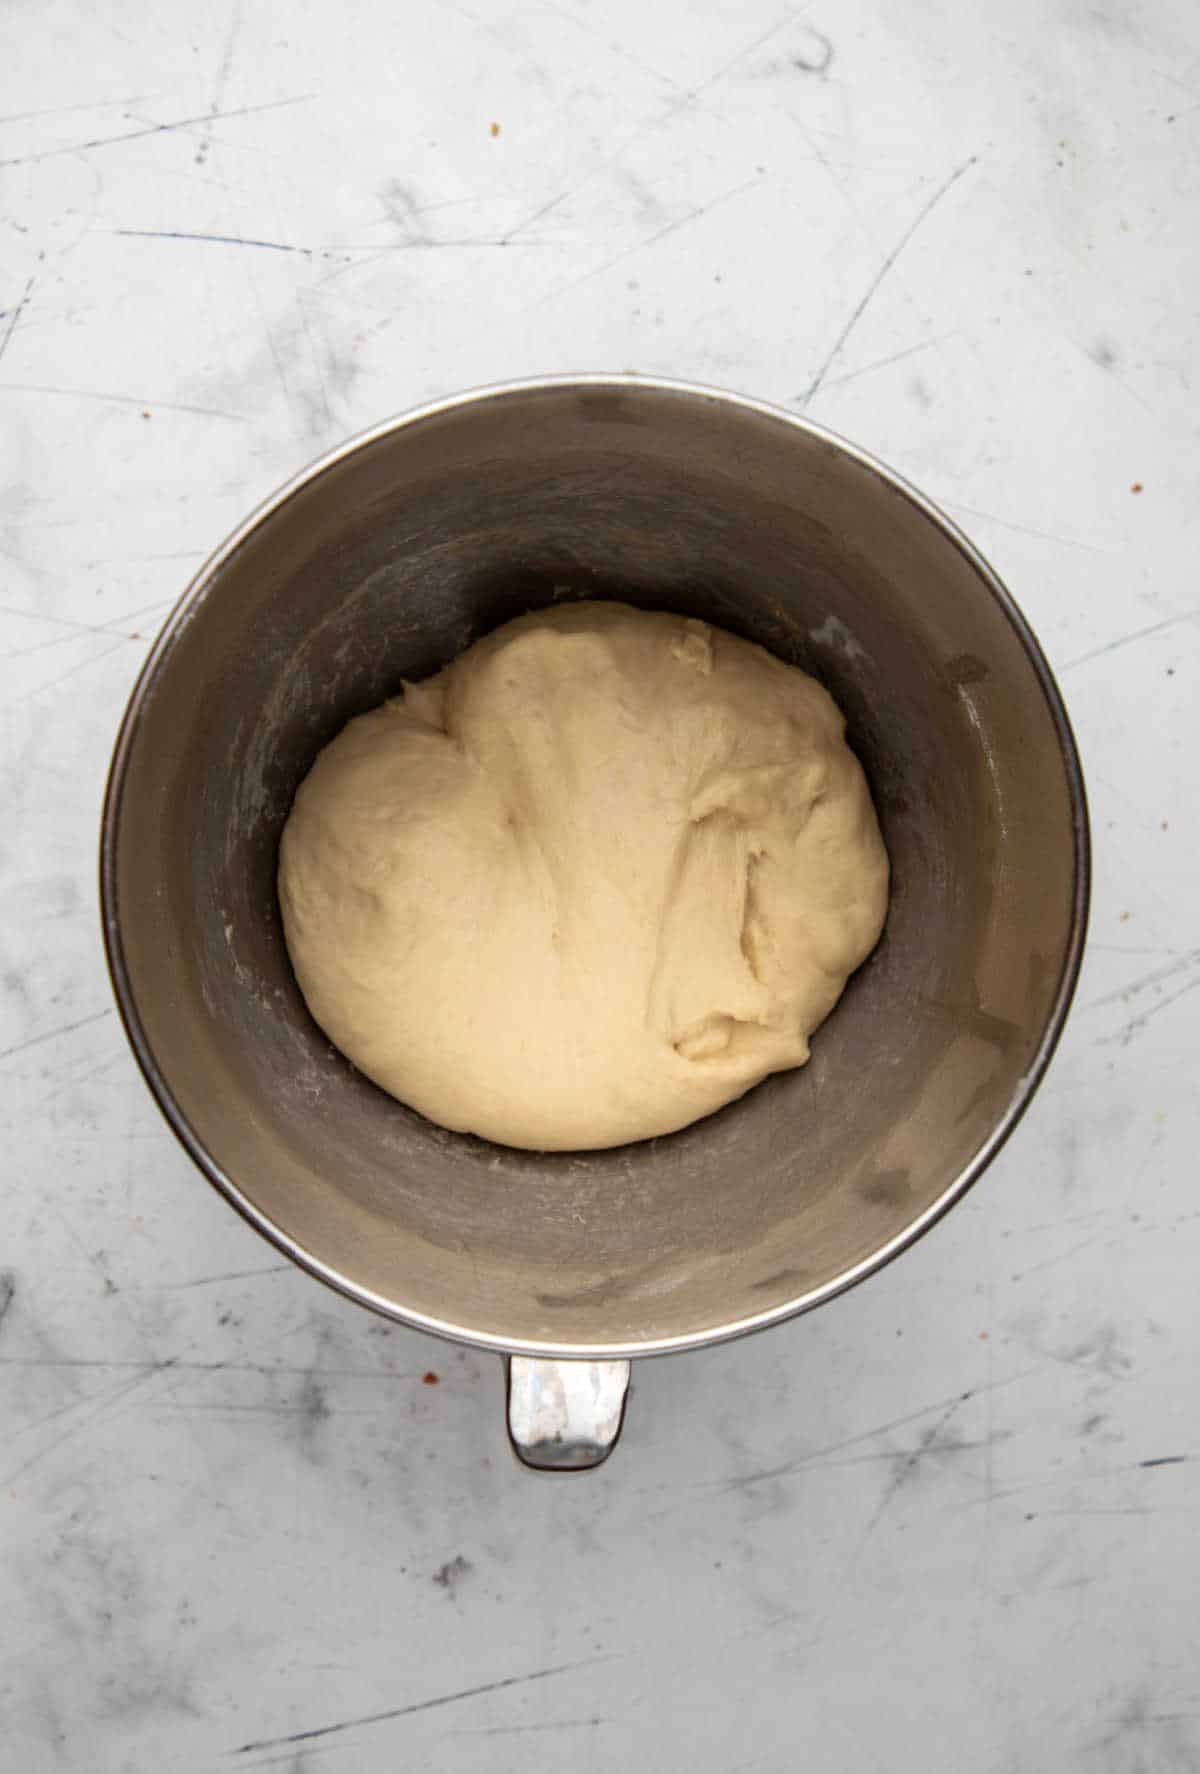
[381, 563]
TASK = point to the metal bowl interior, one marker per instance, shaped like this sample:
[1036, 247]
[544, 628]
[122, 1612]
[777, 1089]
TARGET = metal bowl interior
[381, 564]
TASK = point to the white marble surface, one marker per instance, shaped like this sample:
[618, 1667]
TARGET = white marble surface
[948, 1522]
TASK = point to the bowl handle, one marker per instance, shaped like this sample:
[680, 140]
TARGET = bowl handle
[565, 1416]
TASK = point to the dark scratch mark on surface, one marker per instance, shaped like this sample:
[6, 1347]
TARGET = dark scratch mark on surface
[929, 1442]
[886, 1457]
[1136, 1725]
[883, 363]
[547, 208]
[63, 640]
[83, 665]
[1102, 1350]
[53, 1034]
[223, 72]
[864, 302]
[1136, 1024]
[1063, 1256]
[15, 316]
[401, 1712]
[316, 399]
[820, 1456]
[685, 100]
[213, 1280]
[932, 1442]
[269, 1368]
[822, 61]
[1104, 355]
[1092, 1476]
[404, 210]
[1022, 529]
[314, 1411]
[649, 241]
[270, 246]
[613, 45]
[1156, 976]
[740, 55]
[126, 400]
[153, 129]
[75, 629]
[1165, 1460]
[8, 1288]
[816, 62]
[108, 1402]
[450, 1575]
[54, 1416]
[1127, 640]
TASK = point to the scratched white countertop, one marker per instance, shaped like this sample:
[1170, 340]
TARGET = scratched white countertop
[947, 1522]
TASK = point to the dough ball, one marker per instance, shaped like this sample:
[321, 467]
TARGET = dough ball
[594, 880]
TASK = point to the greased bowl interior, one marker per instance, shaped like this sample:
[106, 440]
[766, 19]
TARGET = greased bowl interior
[384, 562]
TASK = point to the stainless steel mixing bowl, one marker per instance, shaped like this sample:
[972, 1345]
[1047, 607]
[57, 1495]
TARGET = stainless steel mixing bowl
[382, 562]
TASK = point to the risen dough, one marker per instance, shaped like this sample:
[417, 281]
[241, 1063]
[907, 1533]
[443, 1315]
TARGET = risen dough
[592, 881]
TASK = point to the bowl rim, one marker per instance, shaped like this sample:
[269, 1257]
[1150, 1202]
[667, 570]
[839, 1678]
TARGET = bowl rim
[463, 1333]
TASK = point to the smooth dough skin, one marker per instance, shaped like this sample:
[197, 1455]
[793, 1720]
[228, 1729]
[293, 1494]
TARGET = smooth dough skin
[598, 877]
